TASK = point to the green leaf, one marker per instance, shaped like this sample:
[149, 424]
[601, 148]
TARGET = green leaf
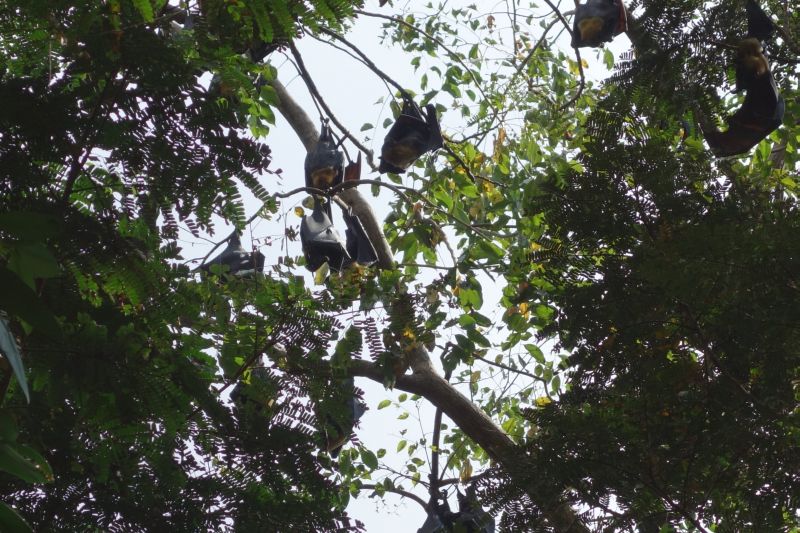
[145, 9]
[535, 352]
[402, 444]
[27, 226]
[11, 521]
[8, 346]
[20, 301]
[369, 458]
[384, 404]
[33, 260]
[13, 462]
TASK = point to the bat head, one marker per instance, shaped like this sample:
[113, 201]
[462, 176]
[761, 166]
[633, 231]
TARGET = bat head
[597, 22]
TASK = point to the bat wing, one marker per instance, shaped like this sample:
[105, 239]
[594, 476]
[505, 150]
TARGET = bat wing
[759, 25]
[435, 140]
[359, 247]
[321, 242]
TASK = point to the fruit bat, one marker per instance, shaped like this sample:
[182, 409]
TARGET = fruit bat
[359, 247]
[321, 242]
[239, 262]
[324, 164]
[763, 107]
[597, 22]
[340, 419]
[410, 136]
[761, 113]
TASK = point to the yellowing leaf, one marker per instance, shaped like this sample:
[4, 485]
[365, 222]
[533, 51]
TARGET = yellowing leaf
[321, 273]
[299, 211]
[541, 401]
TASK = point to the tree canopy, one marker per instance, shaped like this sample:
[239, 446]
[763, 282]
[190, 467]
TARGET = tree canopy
[632, 298]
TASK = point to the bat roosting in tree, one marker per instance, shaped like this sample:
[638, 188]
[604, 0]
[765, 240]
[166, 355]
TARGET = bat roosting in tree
[324, 164]
[597, 22]
[235, 260]
[763, 107]
[320, 240]
[409, 137]
[339, 412]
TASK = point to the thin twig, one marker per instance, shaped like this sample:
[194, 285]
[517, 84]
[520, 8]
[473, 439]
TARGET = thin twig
[401, 492]
[312, 87]
[577, 57]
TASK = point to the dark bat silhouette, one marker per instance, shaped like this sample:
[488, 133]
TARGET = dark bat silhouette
[409, 137]
[359, 247]
[597, 22]
[339, 420]
[235, 260]
[763, 108]
[320, 240]
[751, 63]
[324, 164]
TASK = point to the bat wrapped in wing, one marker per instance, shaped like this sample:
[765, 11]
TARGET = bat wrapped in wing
[324, 165]
[597, 22]
[410, 137]
[235, 260]
[763, 108]
[320, 240]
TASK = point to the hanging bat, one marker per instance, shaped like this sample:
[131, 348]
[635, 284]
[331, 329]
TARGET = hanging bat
[359, 247]
[751, 63]
[763, 108]
[324, 164]
[235, 260]
[410, 136]
[339, 420]
[761, 113]
[597, 22]
[320, 240]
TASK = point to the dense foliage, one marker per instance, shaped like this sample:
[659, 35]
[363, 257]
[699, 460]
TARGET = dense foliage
[646, 340]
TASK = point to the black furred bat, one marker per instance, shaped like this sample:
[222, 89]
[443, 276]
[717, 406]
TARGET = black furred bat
[324, 164]
[359, 247]
[339, 420]
[409, 137]
[321, 242]
[751, 63]
[760, 114]
[763, 107]
[597, 22]
[239, 262]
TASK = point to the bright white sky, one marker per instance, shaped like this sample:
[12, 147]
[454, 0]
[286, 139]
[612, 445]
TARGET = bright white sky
[352, 91]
